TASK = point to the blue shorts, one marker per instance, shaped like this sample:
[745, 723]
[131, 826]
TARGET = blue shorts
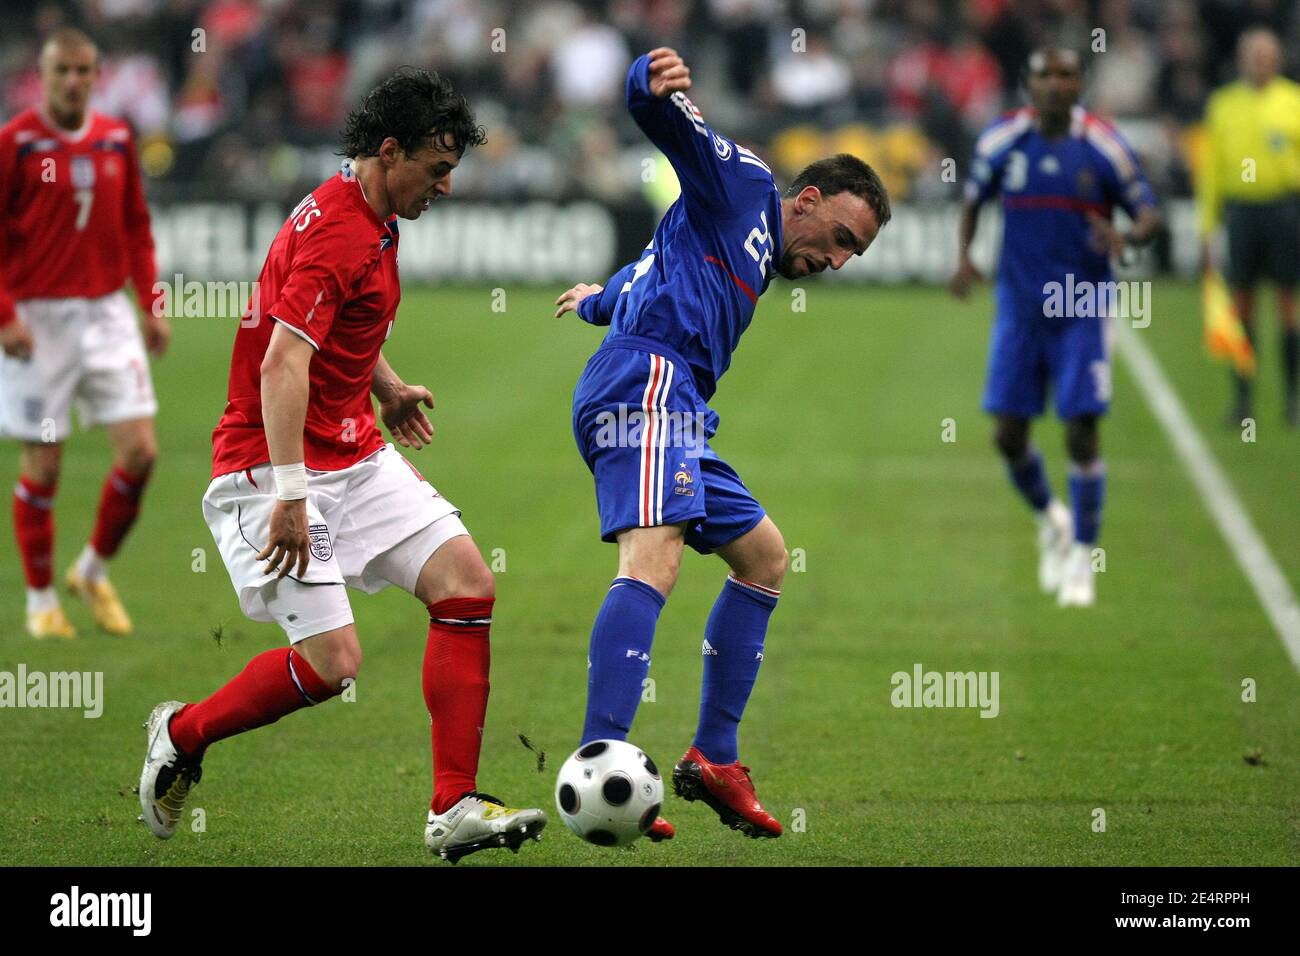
[1028, 352]
[643, 431]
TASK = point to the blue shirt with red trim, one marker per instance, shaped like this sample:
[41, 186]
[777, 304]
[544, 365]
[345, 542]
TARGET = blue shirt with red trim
[1048, 186]
[695, 287]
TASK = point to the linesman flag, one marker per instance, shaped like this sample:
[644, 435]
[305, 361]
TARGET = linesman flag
[1224, 336]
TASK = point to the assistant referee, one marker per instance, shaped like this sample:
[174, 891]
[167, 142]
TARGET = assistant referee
[1250, 180]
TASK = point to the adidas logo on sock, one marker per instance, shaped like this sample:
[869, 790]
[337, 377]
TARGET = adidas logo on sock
[708, 649]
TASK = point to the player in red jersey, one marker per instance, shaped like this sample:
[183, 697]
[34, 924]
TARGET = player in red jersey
[73, 228]
[307, 499]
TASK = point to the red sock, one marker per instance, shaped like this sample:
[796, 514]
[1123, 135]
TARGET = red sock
[119, 503]
[274, 683]
[456, 686]
[34, 529]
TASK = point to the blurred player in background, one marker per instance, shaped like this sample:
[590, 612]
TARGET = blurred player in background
[1250, 179]
[675, 318]
[74, 227]
[1060, 172]
[306, 498]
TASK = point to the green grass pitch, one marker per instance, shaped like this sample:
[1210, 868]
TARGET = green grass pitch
[913, 550]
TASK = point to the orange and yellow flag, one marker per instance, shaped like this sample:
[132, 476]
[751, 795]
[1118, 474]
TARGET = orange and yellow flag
[1224, 336]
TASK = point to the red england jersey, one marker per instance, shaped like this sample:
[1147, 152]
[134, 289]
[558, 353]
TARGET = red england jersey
[330, 277]
[73, 220]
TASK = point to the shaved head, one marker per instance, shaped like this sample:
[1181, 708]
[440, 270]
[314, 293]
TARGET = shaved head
[1259, 56]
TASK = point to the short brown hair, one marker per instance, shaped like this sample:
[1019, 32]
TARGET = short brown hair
[844, 172]
[69, 37]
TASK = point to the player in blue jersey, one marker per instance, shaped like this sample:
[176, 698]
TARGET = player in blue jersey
[642, 422]
[1060, 172]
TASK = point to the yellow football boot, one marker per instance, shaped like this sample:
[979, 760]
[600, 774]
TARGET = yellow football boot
[51, 623]
[103, 601]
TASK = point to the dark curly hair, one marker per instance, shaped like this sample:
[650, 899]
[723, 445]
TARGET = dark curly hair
[416, 108]
[845, 173]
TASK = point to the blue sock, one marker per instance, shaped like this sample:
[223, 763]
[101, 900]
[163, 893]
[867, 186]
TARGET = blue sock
[619, 658]
[1030, 479]
[733, 651]
[1087, 494]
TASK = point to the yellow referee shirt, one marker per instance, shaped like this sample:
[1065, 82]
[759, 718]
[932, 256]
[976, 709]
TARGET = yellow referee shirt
[1245, 123]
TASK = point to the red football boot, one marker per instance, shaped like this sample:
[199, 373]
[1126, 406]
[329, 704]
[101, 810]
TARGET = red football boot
[726, 788]
[661, 829]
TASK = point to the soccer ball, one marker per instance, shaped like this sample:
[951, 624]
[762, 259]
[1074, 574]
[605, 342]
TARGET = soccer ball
[609, 792]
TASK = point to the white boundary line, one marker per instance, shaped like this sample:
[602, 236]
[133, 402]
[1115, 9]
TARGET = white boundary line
[1252, 554]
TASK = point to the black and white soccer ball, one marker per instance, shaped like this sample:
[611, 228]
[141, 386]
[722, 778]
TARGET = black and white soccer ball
[609, 792]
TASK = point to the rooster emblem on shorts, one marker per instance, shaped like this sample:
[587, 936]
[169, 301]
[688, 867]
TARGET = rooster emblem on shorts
[683, 479]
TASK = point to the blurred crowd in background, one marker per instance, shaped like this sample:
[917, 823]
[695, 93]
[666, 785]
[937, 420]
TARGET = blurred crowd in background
[245, 97]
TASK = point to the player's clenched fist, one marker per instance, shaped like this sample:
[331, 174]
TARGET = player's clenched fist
[289, 544]
[569, 301]
[16, 340]
[668, 73]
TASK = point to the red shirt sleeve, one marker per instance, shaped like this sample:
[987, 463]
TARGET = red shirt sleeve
[324, 262]
[8, 167]
[139, 235]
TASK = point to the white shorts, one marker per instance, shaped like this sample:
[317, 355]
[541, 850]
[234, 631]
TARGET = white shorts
[87, 351]
[371, 525]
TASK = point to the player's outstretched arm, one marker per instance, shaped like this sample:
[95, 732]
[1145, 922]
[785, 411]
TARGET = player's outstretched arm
[667, 72]
[569, 301]
[285, 384]
[399, 406]
[712, 170]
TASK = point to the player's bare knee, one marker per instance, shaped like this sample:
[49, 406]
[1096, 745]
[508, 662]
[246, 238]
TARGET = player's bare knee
[762, 558]
[659, 570]
[42, 473]
[778, 563]
[335, 656]
[1011, 440]
[341, 665]
[1082, 441]
[455, 570]
[770, 572]
[472, 579]
[138, 458]
[652, 555]
[41, 463]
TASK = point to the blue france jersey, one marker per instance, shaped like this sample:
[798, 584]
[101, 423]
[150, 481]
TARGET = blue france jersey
[714, 252]
[1047, 187]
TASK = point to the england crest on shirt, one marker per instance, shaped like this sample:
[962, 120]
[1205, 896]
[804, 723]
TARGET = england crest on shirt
[83, 172]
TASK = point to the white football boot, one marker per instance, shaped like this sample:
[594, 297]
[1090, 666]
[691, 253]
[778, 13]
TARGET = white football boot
[167, 776]
[480, 822]
[1078, 589]
[1055, 535]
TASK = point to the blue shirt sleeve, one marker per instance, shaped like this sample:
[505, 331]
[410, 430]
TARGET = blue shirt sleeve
[714, 172]
[598, 309]
[1122, 178]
